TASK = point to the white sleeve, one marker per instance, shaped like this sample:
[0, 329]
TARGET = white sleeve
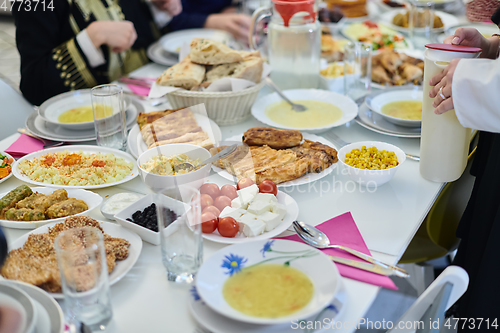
[476, 94]
[161, 18]
[94, 55]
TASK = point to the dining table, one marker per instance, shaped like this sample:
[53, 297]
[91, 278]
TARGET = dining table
[387, 217]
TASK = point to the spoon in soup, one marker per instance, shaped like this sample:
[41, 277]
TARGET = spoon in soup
[188, 167]
[295, 106]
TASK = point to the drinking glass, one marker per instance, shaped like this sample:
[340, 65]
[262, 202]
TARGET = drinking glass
[358, 61]
[84, 277]
[421, 22]
[180, 235]
[109, 116]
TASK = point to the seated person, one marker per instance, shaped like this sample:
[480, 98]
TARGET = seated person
[82, 43]
[211, 14]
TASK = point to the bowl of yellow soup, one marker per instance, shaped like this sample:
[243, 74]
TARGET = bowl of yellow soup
[325, 109]
[73, 110]
[371, 163]
[268, 282]
[399, 105]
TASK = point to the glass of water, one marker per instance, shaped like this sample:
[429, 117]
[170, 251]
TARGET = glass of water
[84, 277]
[179, 224]
[109, 116]
[421, 22]
[357, 70]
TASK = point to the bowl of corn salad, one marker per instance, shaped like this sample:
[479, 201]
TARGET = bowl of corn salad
[371, 163]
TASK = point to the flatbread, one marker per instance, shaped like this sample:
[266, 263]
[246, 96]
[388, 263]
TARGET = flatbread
[185, 74]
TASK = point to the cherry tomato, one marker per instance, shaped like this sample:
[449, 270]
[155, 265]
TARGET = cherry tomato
[205, 201]
[209, 223]
[222, 202]
[244, 182]
[268, 186]
[212, 209]
[211, 189]
[229, 191]
[228, 227]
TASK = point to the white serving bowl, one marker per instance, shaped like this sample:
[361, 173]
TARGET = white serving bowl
[214, 272]
[371, 177]
[146, 234]
[194, 179]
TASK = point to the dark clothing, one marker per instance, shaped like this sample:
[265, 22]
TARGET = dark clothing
[195, 13]
[479, 230]
[52, 62]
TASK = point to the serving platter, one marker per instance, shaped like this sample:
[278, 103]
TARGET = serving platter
[76, 148]
[355, 30]
[122, 267]
[376, 101]
[347, 105]
[447, 19]
[51, 109]
[292, 211]
[93, 200]
[172, 42]
[306, 179]
[10, 174]
[376, 123]
[39, 127]
[137, 146]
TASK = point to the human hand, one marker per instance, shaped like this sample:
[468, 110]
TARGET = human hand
[236, 24]
[441, 91]
[173, 7]
[471, 37]
[118, 35]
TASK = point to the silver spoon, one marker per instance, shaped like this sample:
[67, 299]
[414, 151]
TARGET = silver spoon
[295, 107]
[318, 239]
[186, 166]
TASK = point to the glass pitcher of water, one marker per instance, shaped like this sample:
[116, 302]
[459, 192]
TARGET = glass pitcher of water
[294, 42]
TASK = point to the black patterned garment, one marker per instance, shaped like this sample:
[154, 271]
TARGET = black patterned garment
[52, 62]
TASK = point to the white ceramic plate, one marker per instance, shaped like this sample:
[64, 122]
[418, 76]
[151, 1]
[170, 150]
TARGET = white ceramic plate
[36, 125]
[419, 54]
[158, 55]
[13, 297]
[86, 149]
[172, 42]
[306, 179]
[50, 318]
[377, 100]
[355, 30]
[447, 19]
[292, 211]
[487, 29]
[137, 146]
[347, 105]
[215, 322]
[93, 200]
[51, 109]
[315, 264]
[376, 123]
[10, 174]
[122, 266]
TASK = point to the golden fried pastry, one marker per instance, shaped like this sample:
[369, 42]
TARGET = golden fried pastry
[65, 208]
[272, 137]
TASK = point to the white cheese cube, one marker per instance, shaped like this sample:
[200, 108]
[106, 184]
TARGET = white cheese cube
[272, 220]
[253, 228]
[252, 190]
[259, 207]
[235, 213]
[245, 196]
[279, 209]
[245, 218]
[266, 197]
[237, 203]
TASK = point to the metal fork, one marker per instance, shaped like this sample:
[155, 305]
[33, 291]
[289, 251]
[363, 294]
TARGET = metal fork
[341, 143]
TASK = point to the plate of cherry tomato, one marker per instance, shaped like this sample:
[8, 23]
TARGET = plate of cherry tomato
[5, 166]
[227, 230]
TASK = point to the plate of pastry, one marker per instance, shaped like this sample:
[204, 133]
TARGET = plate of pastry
[398, 19]
[287, 157]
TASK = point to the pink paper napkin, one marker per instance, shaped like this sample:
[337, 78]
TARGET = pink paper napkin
[24, 145]
[139, 90]
[342, 230]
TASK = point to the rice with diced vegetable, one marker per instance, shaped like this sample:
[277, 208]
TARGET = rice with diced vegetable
[76, 168]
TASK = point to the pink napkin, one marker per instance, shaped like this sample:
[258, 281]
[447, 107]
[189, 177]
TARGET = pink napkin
[342, 230]
[24, 145]
[139, 90]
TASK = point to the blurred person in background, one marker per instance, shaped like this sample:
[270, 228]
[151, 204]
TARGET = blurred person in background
[74, 44]
[470, 86]
[212, 14]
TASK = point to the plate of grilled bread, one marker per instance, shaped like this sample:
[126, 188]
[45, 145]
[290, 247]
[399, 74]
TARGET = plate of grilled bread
[287, 157]
[32, 258]
[186, 125]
